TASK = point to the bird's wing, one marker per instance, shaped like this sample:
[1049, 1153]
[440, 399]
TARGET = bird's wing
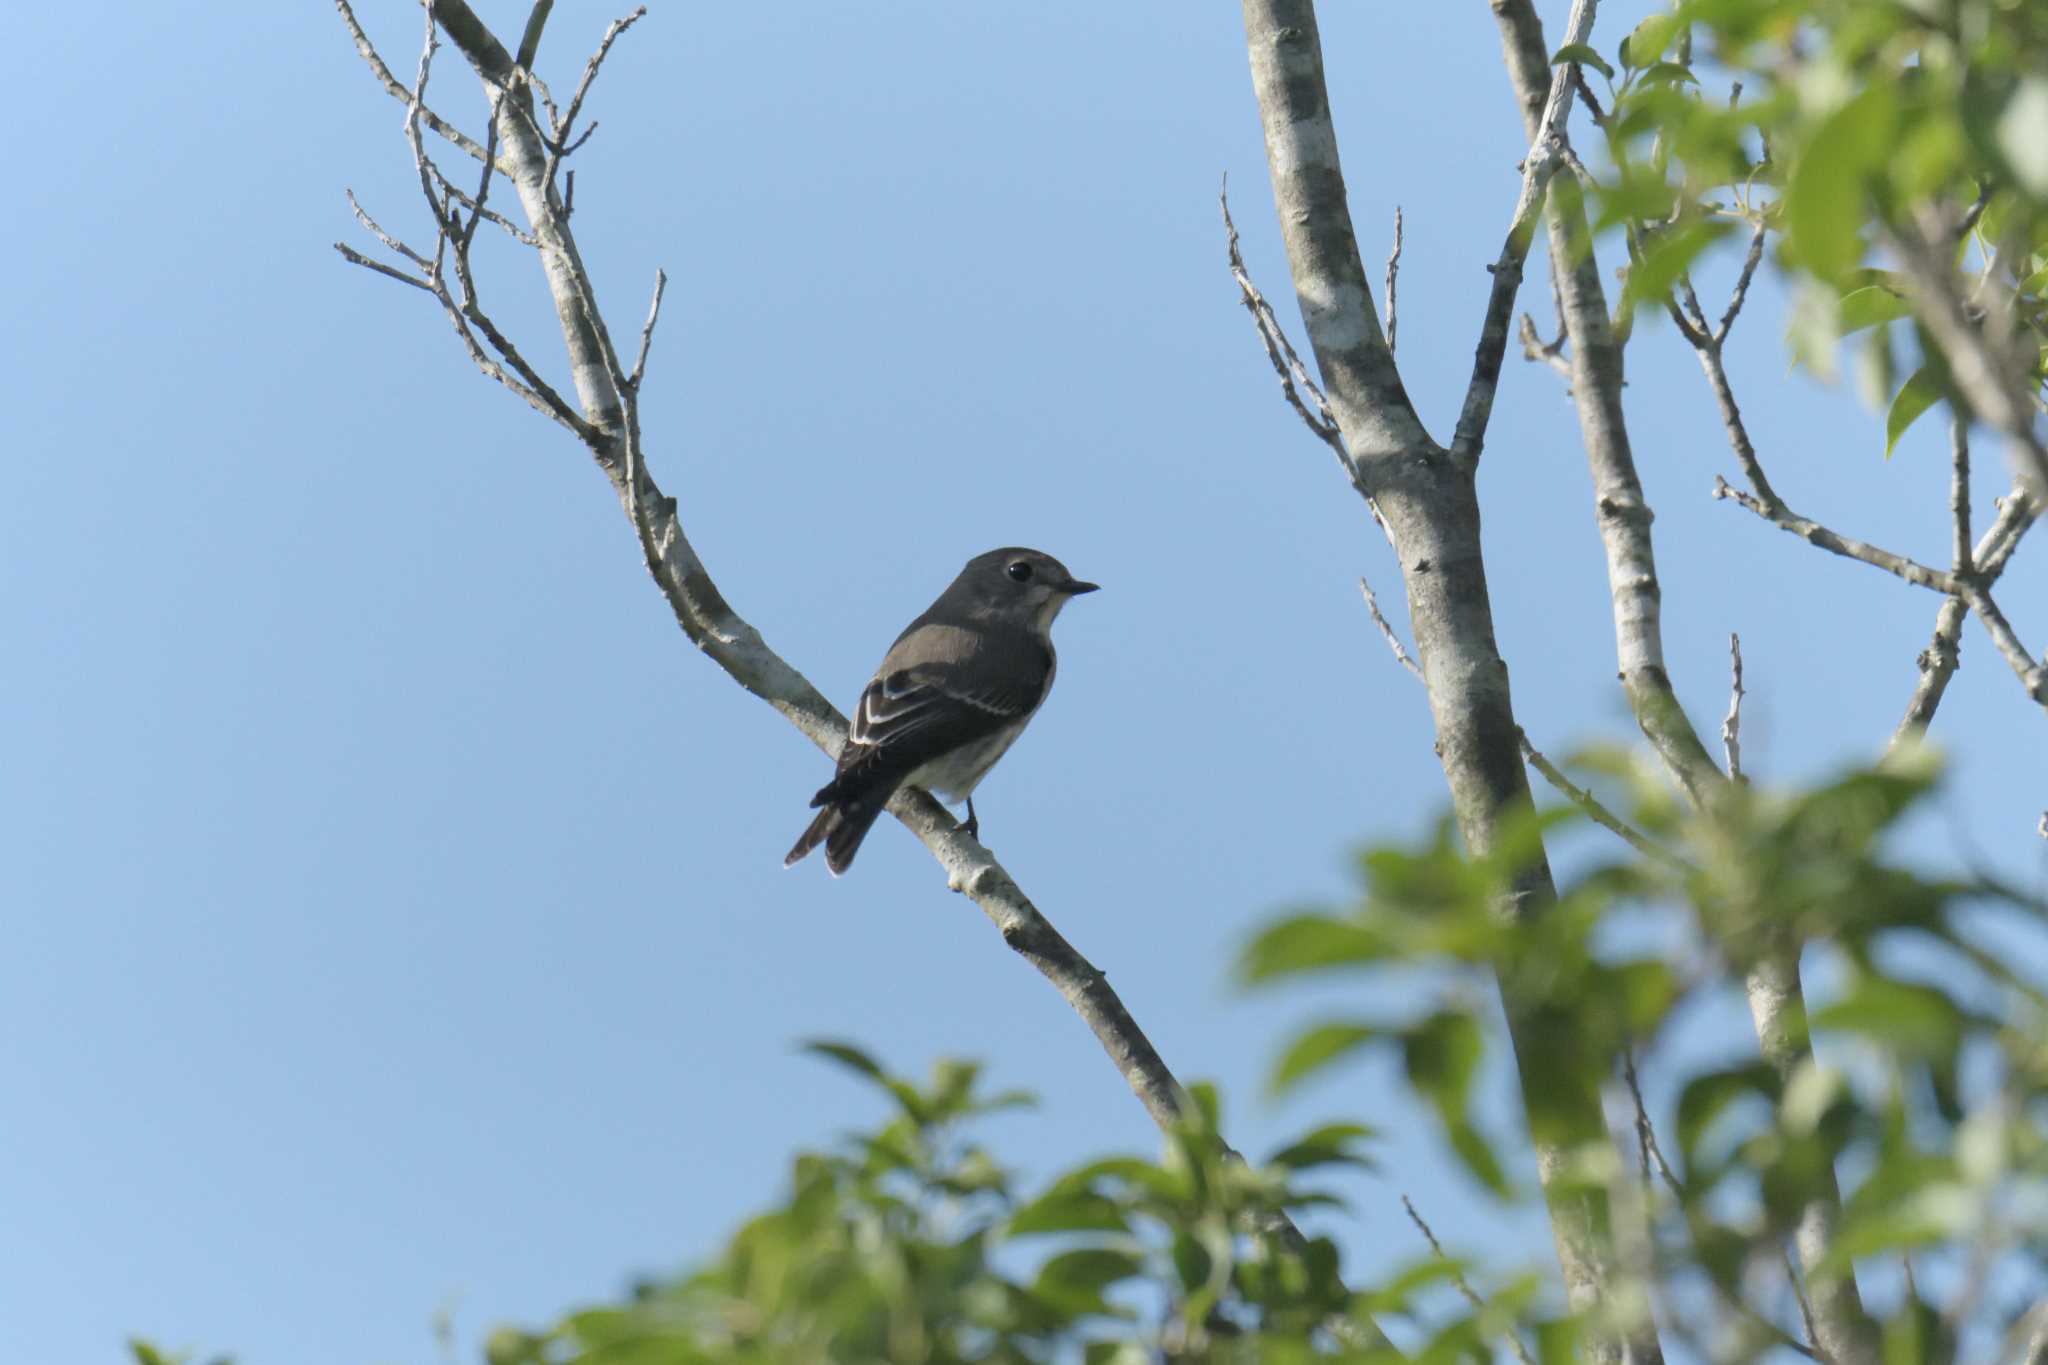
[910, 715]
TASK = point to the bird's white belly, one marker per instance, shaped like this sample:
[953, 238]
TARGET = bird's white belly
[954, 776]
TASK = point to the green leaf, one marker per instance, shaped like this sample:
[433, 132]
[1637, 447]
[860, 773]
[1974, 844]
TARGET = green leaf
[1584, 54]
[1317, 1047]
[1707, 1096]
[1076, 1279]
[1477, 1154]
[1671, 254]
[846, 1054]
[1920, 392]
[1646, 44]
[1871, 306]
[1441, 1054]
[2023, 135]
[1064, 1209]
[1304, 943]
[1907, 1016]
[1328, 1145]
[1668, 73]
[1825, 202]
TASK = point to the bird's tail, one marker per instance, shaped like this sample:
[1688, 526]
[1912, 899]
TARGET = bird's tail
[840, 827]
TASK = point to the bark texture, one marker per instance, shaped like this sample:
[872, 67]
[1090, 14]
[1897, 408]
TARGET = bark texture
[1776, 1002]
[1428, 500]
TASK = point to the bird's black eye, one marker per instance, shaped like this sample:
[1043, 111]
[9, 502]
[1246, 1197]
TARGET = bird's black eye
[1019, 570]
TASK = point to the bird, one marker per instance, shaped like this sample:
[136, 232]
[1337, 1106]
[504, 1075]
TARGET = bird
[952, 694]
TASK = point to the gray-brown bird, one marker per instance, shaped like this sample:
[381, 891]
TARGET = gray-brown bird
[954, 691]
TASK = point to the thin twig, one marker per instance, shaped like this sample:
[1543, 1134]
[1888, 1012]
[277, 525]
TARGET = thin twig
[1771, 509]
[1393, 282]
[562, 146]
[1646, 1133]
[1458, 1279]
[1731, 724]
[1600, 814]
[1799, 1297]
[1548, 150]
[1294, 376]
[354, 257]
[2032, 673]
[1959, 495]
[1742, 281]
[1372, 604]
[391, 243]
[398, 91]
[2017, 511]
[647, 330]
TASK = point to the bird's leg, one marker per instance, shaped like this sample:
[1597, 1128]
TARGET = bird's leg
[972, 826]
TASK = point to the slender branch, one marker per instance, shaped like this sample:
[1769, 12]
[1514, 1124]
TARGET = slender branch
[397, 90]
[1600, 814]
[1989, 376]
[1731, 724]
[354, 257]
[563, 146]
[1596, 386]
[1740, 294]
[2032, 672]
[1458, 1280]
[1372, 605]
[529, 40]
[1959, 495]
[1813, 533]
[1393, 280]
[1938, 662]
[1294, 376]
[632, 380]
[1547, 147]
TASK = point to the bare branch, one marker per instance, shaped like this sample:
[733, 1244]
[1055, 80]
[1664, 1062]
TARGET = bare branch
[391, 243]
[1989, 376]
[1959, 495]
[562, 144]
[1547, 150]
[1393, 279]
[529, 41]
[2032, 672]
[354, 257]
[1731, 724]
[1458, 1279]
[1596, 364]
[647, 330]
[1294, 376]
[1938, 662]
[398, 91]
[1372, 604]
[1813, 533]
[1742, 281]
[1591, 804]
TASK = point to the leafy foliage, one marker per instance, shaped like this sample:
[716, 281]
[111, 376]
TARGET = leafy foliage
[1928, 1074]
[1832, 127]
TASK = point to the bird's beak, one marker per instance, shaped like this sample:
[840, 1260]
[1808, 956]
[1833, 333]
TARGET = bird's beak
[1075, 587]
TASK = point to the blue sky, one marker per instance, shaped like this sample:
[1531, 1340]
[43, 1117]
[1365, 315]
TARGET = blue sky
[396, 913]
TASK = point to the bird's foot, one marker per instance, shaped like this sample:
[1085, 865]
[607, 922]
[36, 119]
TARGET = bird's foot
[971, 826]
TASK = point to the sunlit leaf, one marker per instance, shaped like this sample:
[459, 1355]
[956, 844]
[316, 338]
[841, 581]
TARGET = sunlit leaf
[1317, 1047]
[1304, 943]
[1921, 391]
[1905, 1015]
[1331, 1144]
[1582, 53]
[1065, 1209]
[1825, 201]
